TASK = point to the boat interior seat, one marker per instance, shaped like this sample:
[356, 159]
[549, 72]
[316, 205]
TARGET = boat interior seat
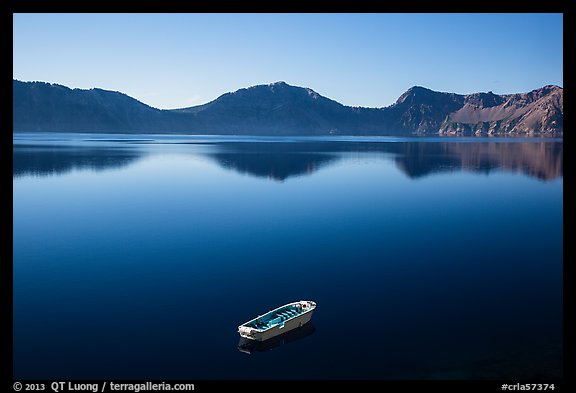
[279, 317]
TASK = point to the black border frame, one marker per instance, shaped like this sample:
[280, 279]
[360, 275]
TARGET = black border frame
[490, 6]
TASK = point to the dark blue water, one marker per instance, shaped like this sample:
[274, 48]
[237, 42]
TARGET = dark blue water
[428, 258]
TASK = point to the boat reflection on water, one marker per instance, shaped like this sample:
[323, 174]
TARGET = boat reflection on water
[249, 346]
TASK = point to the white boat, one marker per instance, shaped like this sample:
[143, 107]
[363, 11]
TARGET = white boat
[278, 321]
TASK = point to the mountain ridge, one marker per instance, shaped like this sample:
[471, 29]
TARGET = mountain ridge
[282, 109]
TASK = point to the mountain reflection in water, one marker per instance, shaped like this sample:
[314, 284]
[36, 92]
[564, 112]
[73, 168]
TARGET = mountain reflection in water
[281, 161]
[543, 160]
[57, 160]
[275, 161]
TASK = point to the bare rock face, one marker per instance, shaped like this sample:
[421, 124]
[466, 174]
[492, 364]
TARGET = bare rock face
[539, 112]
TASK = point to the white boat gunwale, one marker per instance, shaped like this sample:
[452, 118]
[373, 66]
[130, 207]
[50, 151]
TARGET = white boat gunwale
[303, 309]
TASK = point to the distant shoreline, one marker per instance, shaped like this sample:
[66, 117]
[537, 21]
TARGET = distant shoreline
[185, 138]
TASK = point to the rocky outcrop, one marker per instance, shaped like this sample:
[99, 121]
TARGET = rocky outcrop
[539, 112]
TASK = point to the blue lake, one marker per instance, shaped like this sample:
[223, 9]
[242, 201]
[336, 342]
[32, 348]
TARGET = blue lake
[137, 257]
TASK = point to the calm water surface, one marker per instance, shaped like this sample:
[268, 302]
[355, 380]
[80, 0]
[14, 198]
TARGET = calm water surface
[138, 256]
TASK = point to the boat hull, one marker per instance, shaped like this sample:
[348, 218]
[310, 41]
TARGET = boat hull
[250, 346]
[278, 329]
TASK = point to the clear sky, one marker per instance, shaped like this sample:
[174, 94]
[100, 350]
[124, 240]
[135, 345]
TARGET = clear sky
[180, 60]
